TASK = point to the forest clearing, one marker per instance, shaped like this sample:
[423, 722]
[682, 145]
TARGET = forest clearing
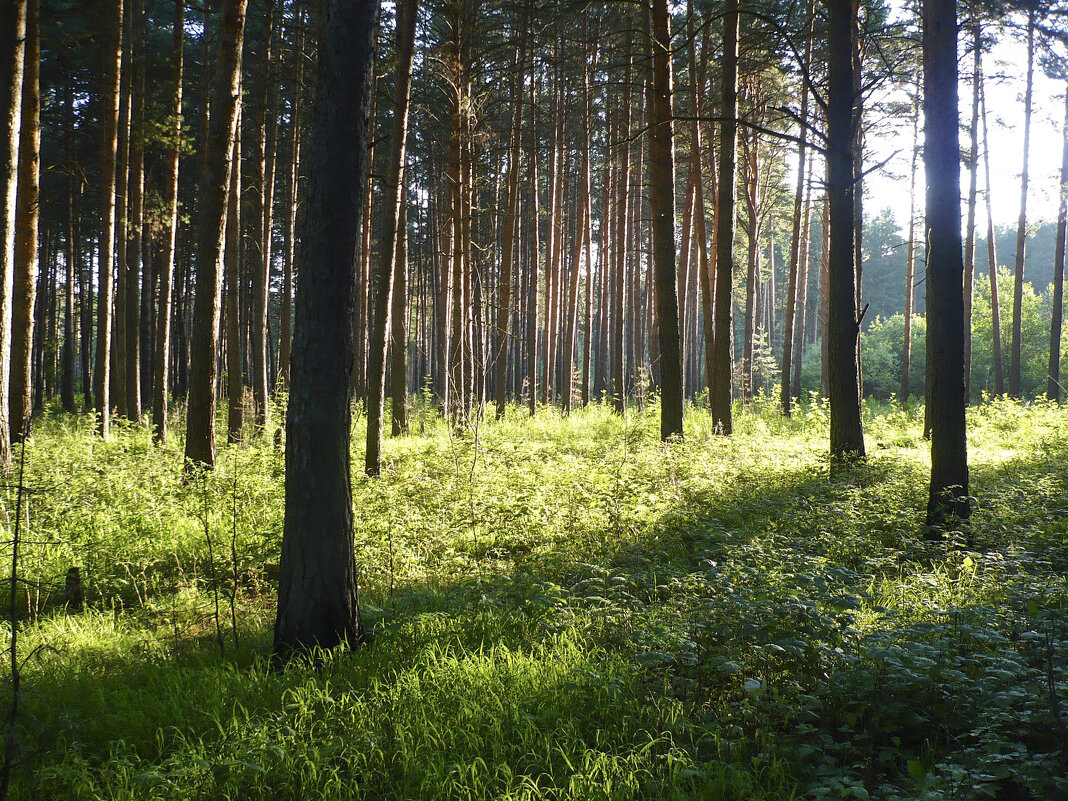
[558, 608]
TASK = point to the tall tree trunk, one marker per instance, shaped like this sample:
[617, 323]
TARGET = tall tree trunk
[109, 116]
[211, 233]
[398, 340]
[258, 254]
[134, 215]
[945, 269]
[625, 198]
[1021, 226]
[535, 235]
[1053, 387]
[117, 379]
[843, 326]
[795, 239]
[723, 357]
[317, 595]
[509, 251]
[161, 366]
[992, 257]
[232, 252]
[969, 245]
[27, 215]
[910, 250]
[285, 306]
[662, 205]
[383, 272]
[73, 257]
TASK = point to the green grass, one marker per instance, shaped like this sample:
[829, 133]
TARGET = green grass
[560, 609]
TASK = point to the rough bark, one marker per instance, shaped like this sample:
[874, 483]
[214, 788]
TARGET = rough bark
[317, 594]
[945, 268]
[843, 326]
[662, 206]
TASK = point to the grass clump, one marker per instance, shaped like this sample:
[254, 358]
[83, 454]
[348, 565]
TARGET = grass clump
[560, 609]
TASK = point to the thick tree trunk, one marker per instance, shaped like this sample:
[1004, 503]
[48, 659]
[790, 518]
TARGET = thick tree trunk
[393, 195]
[317, 595]
[211, 232]
[945, 269]
[161, 366]
[662, 206]
[723, 356]
[843, 326]
[1021, 226]
[27, 216]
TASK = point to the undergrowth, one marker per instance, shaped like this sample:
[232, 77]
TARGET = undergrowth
[560, 609]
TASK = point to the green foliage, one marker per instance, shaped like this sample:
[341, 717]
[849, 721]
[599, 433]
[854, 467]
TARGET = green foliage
[560, 609]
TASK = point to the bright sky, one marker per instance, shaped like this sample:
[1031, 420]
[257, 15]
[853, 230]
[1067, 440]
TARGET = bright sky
[1006, 69]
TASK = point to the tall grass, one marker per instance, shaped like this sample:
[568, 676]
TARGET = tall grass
[560, 608]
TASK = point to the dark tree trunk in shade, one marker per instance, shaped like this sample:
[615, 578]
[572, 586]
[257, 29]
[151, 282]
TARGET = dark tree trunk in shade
[162, 357]
[1053, 387]
[662, 204]
[72, 259]
[317, 595]
[27, 217]
[843, 327]
[135, 211]
[398, 338]
[1021, 226]
[211, 232]
[945, 267]
[382, 273]
[723, 357]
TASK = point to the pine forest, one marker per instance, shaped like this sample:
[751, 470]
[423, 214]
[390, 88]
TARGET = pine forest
[455, 400]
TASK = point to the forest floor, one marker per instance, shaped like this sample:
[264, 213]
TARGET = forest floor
[559, 609]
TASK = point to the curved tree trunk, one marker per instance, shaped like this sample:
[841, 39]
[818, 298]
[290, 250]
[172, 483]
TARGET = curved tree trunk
[317, 595]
